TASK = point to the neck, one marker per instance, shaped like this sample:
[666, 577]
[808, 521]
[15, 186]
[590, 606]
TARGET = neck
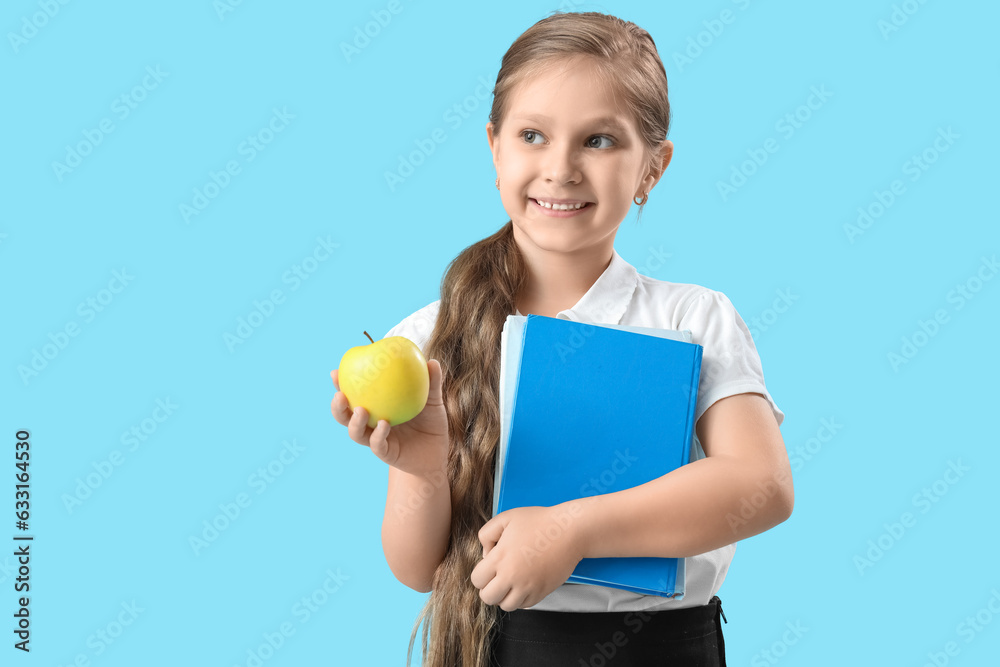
[557, 280]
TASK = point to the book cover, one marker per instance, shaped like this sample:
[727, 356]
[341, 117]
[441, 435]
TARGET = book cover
[589, 409]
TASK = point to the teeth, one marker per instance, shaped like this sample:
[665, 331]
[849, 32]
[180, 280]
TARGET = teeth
[560, 207]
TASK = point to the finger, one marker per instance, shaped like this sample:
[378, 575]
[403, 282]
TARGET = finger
[489, 545]
[513, 600]
[379, 439]
[357, 427]
[335, 375]
[340, 408]
[495, 591]
[490, 533]
[482, 574]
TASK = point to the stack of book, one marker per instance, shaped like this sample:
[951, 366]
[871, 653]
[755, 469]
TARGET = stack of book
[588, 409]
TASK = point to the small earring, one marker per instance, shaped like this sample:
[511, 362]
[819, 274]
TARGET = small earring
[498, 182]
[645, 196]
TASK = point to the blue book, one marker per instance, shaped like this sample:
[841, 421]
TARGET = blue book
[588, 409]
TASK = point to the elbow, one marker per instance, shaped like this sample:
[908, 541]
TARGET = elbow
[786, 510]
[781, 488]
[408, 571]
[776, 495]
[421, 583]
[417, 583]
[785, 503]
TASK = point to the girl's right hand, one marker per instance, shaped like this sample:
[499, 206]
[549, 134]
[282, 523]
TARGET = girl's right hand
[419, 446]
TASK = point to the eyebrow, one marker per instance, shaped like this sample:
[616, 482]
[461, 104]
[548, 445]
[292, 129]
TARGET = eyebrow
[610, 122]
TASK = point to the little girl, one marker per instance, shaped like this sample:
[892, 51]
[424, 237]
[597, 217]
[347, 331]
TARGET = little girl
[578, 133]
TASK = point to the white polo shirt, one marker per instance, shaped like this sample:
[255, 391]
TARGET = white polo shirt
[730, 365]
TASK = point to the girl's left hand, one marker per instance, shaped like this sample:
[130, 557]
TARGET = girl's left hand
[528, 552]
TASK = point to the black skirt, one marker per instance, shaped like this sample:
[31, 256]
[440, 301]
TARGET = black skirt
[689, 637]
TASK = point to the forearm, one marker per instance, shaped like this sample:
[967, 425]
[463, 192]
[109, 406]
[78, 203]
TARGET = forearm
[416, 526]
[696, 508]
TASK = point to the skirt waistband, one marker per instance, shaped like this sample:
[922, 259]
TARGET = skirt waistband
[568, 626]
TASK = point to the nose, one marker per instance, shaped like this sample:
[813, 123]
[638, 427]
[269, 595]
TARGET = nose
[561, 164]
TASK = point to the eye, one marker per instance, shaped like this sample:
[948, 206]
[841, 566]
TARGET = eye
[529, 136]
[590, 142]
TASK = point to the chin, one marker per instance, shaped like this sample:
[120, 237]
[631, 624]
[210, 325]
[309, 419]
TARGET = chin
[554, 240]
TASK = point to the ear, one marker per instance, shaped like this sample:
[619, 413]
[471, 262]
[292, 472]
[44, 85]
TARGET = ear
[664, 155]
[494, 144]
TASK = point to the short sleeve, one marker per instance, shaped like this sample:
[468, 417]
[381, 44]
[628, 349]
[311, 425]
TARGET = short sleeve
[418, 326]
[730, 364]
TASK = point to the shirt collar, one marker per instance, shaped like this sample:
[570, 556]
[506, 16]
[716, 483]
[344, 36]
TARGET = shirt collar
[608, 298]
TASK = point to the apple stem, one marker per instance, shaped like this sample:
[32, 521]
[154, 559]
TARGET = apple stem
[369, 337]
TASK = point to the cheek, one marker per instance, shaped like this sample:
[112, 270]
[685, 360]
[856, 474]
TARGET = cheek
[620, 183]
[516, 166]
[628, 178]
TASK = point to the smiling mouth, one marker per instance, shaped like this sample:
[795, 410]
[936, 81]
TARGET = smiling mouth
[562, 207]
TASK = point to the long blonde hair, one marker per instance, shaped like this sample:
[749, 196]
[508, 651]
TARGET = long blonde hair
[479, 290]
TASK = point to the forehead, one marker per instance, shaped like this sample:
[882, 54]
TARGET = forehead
[569, 91]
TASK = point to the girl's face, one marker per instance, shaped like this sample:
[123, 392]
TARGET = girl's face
[564, 140]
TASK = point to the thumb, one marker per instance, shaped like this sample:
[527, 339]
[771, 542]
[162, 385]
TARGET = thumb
[435, 374]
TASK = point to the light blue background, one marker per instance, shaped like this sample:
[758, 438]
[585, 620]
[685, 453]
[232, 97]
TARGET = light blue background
[162, 336]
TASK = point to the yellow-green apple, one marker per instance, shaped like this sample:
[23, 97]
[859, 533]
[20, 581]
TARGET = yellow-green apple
[388, 378]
